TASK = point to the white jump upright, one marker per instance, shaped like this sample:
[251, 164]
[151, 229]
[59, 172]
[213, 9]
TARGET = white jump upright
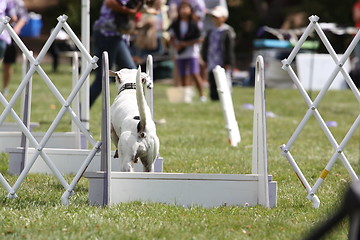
[68, 160]
[313, 111]
[40, 149]
[85, 39]
[76, 101]
[149, 93]
[9, 129]
[25, 110]
[11, 137]
[60, 142]
[187, 189]
[259, 151]
[227, 105]
[105, 130]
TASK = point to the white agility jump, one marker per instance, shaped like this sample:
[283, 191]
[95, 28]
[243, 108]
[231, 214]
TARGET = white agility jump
[313, 111]
[110, 187]
[11, 136]
[186, 189]
[66, 108]
[69, 158]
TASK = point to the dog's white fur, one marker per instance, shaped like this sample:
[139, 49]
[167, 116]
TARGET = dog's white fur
[134, 138]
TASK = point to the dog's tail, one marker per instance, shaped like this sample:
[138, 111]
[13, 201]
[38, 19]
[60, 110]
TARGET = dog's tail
[142, 104]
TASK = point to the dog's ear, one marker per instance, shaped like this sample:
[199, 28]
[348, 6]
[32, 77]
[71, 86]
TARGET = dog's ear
[112, 73]
[146, 79]
[115, 75]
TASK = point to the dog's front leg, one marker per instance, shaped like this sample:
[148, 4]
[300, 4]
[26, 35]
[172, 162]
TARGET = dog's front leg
[115, 140]
[126, 162]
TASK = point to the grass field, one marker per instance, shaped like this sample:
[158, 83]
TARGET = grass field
[193, 140]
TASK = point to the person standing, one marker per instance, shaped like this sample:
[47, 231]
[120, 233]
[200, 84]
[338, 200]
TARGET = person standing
[110, 31]
[149, 30]
[199, 12]
[209, 5]
[11, 51]
[7, 8]
[218, 47]
[185, 38]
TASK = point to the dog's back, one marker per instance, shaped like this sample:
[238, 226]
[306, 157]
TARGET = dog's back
[124, 110]
[132, 121]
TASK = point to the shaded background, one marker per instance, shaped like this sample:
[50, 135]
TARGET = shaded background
[246, 17]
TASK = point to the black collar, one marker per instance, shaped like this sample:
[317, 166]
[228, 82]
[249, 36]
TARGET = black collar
[127, 86]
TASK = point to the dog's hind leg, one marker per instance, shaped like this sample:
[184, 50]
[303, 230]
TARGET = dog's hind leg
[115, 140]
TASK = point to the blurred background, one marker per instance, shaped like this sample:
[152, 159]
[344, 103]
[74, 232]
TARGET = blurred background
[246, 17]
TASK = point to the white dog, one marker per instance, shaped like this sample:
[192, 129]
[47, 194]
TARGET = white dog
[132, 129]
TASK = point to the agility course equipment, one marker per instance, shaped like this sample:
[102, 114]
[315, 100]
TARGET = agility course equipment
[246, 185]
[349, 210]
[227, 106]
[67, 161]
[40, 145]
[85, 39]
[186, 189]
[40, 155]
[68, 158]
[310, 66]
[313, 111]
[11, 136]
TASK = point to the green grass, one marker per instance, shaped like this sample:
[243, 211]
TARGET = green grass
[193, 140]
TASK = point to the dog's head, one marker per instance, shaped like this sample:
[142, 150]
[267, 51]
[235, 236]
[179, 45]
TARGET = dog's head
[129, 76]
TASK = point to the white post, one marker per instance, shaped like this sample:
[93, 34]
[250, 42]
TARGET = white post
[25, 111]
[85, 39]
[259, 153]
[149, 93]
[105, 130]
[227, 105]
[75, 104]
[35, 66]
[24, 69]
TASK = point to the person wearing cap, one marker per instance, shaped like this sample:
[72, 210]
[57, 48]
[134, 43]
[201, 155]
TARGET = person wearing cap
[209, 5]
[218, 47]
[11, 52]
[7, 8]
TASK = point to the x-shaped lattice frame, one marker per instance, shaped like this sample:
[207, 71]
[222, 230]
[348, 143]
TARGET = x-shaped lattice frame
[338, 153]
[35, 66]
